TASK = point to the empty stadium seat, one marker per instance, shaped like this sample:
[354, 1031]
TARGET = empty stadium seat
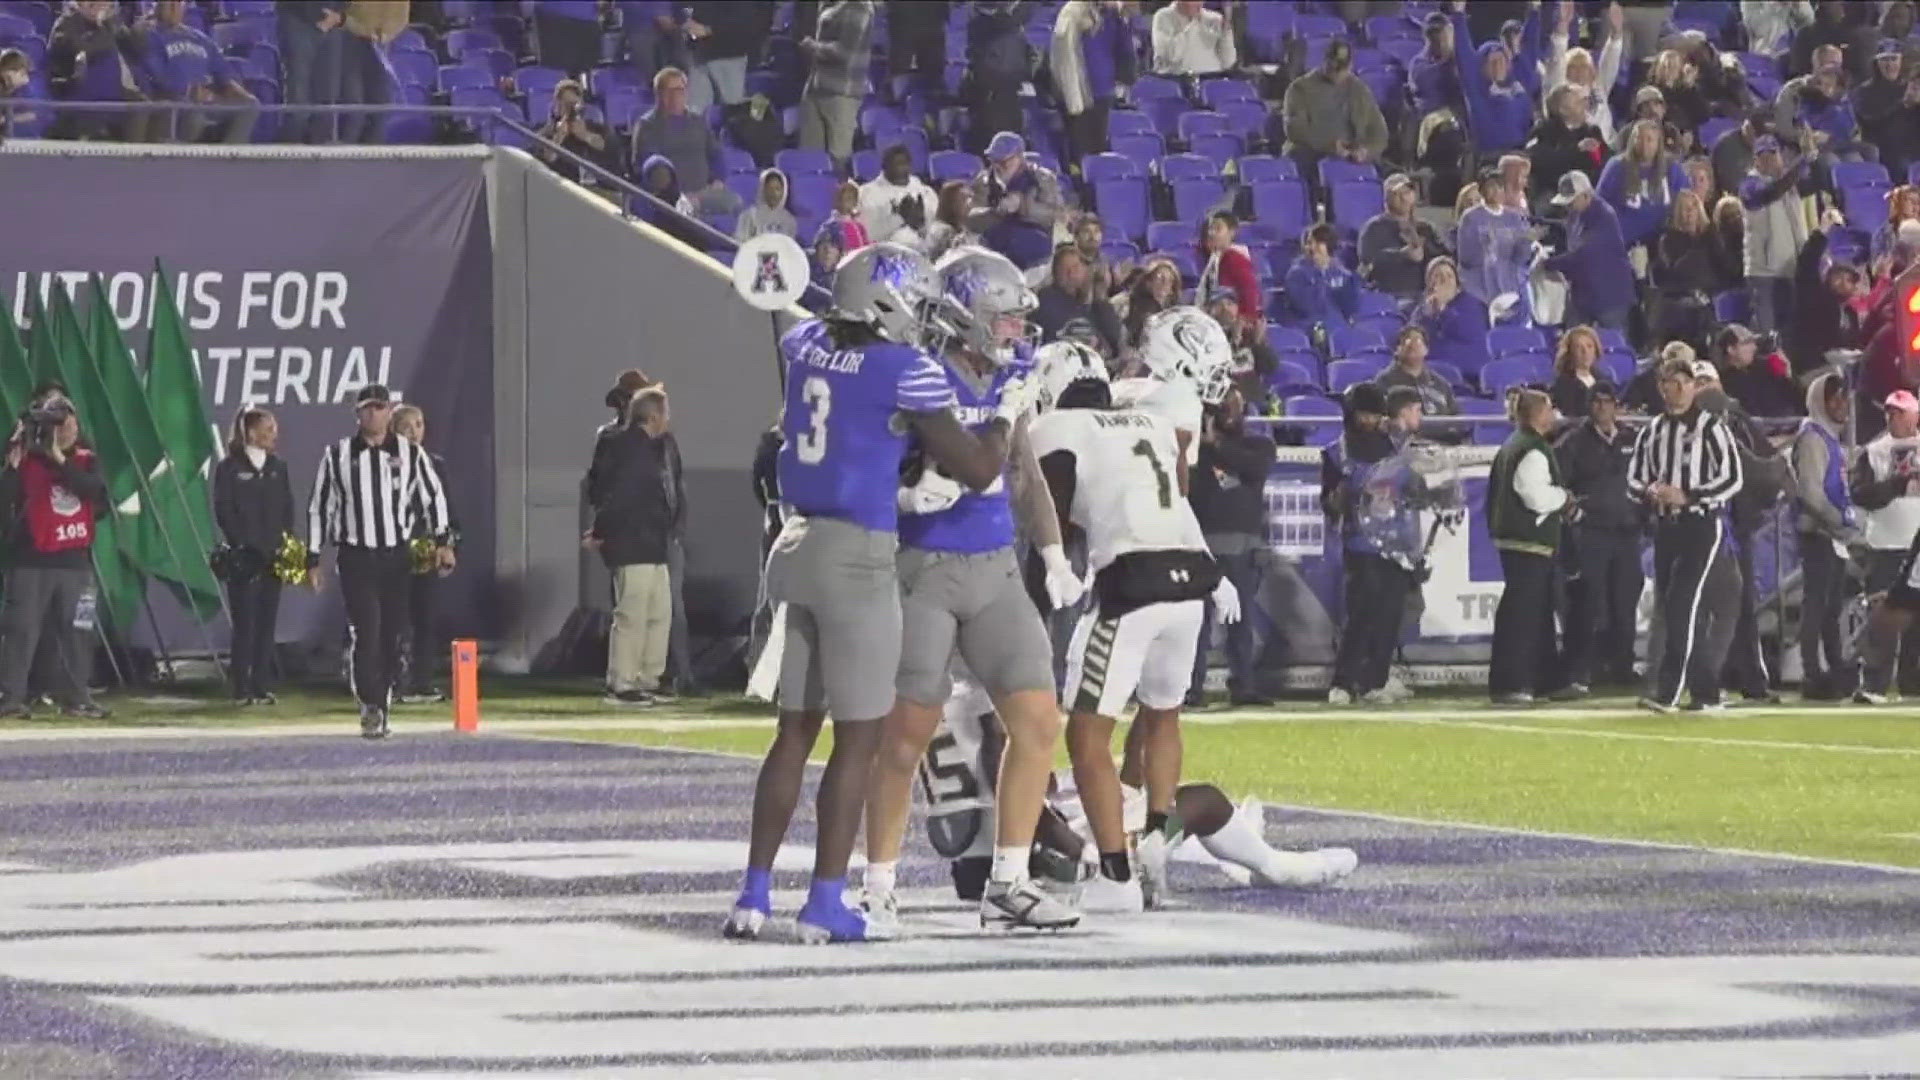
[1141, 150]
[1334, 171]
[801, 161]
[1353, 203]
[947, 165]
[1344, 373]
[1195, 199]
[1122, 205]
[1292, 378]
[458, 77]
[811, 195]
[1221, 148]
[1498, 375]
[1166, 113]
[461, 42]
[1347, 342]
[414, 67]
[1256, 168]
[1216, 92]
[1150, 87]
[1282, 205]
[1618, 368]
[1187, 167]
[1508, 340]
[1168, 235]
[1455, 378]
[1199, 122]
[1474, 405]
[865, 165]
[1129, 121]
[1286, 338]
[1311, 405]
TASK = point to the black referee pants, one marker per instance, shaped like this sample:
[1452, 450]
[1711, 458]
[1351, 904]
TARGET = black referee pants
[377, 585]
[1685, 550]
[1523, 627]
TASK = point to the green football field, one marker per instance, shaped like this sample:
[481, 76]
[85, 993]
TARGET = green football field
[1835, 782]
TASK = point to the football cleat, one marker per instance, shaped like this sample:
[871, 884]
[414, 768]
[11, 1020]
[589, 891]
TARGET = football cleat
[1868, 697]
[1103, 895]
[1655, 705]
[1023, 905]
[744, 923]
[882, 910]
[1150, 854]
[1339, 696]
[833, 921]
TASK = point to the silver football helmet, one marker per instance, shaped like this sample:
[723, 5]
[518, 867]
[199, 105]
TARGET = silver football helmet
[886, 286]
[1186, 343]
[979, 289]
[1060, 365]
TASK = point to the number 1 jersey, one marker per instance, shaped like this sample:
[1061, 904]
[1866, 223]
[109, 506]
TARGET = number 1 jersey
[844, 434]
[1125, 495]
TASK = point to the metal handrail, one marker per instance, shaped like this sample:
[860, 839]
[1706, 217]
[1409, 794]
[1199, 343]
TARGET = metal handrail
[815, 296]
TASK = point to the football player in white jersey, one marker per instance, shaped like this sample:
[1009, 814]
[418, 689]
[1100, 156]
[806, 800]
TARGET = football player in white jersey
[1112, 473]
[1190, 365]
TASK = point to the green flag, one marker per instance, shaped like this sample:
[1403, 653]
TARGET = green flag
[43, 353]
[16, 378]
[181, 528]
[173, 393]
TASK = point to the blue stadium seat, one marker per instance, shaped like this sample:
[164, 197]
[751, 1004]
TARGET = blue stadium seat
[1344, 373]
[879, 120]
[1306, 359]
[411, 38]
[1153, 87]
[1122, 205]
[625, 104]
[1129, 121]
[1169, 235]
[800, 162]
[1509, 340]
[1387, 327]
[1309, 24]
[498, 61]
[1402, 50]
[537, 84]
[414, 67]
[1200, 122]
[746, 186]
[1195, 199]
[1713, 129]
[1184, 258]
[1096, 168]
[39, 15]
[1255, 168]
[1217, 92]
[1618, 368]
[1247, 119]
[1311, 405]
[1291, 378]
[1383, 28]
[1865, 204]
[1732, 306]
[865, 165]
[1474, 405]
[1378, 303]
[1282, 205]
[1349, 342]
[15, 28]
[458, 77]
[1846, 173]
[947, 165]
[1188, 167]
[1117, 251]
[1612, 340]
[1286, 338]
[811, 193]
[1355, 202]
[461, 42]
[1449, 372]
[1510, 371]
[1220, 148]
[1334, 171]
[244, 32]
[1166, 114]
[1142, 150]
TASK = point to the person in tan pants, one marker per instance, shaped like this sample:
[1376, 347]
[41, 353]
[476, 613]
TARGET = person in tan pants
[629, 490]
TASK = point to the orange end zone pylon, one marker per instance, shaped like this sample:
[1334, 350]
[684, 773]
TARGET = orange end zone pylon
[466, 685]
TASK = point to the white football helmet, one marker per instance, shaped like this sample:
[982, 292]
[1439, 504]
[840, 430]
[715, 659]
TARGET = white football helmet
[1060, 365]
[1186, 343]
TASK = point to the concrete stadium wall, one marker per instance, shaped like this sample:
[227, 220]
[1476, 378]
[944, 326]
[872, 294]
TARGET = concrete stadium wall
[579, 295]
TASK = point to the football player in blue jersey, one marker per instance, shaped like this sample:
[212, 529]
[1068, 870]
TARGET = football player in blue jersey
[858, 385]
[962, 588]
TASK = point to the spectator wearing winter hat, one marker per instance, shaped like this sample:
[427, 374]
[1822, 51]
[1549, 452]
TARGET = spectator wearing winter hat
[1433, 76]
[1015, 203]
[896, 205]
[1495, 245]
[1321, 291]
[1599, 276]
[1455, 321]
[1776, 230]
[1564, 141]
[1395, 246]
[1330, 112]
[1640, 184]
[769, 213]
[1228, 266]
[1648, 104]
[828, 245]
[1499, 109]
[1887, 108]
[1094, 58]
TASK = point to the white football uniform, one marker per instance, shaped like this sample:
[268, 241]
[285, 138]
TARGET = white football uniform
[1126, 499]
[1175, 401]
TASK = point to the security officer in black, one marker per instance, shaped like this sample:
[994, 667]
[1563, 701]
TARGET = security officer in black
[1526, 504]
[1606, 543]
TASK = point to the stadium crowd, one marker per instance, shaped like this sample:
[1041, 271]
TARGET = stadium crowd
[1446, 201]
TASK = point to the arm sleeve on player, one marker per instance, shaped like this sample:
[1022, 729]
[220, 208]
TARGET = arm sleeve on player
[1058, 467]
[1032, 504]
[923, 387]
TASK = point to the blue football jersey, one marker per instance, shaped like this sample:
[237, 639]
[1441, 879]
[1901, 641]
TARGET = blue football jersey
[843, 444]
[979, 520]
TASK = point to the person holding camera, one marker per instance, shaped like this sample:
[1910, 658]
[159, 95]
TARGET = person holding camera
[50, 495]
[253, 507]
[569, 125]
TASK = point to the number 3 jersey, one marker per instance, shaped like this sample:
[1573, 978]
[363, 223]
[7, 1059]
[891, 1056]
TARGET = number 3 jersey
[978, 521]
[1125, 495]
[844, 434]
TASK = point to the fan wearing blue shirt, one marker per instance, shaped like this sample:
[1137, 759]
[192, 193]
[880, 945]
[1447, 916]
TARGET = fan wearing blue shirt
[183, 64]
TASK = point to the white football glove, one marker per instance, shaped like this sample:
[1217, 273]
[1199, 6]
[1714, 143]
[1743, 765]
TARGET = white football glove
[934, 493]
[1064, 587]
[1016, 399]
[1226, 603]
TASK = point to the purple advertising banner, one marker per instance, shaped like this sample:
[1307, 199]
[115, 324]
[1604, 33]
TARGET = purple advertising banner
[301, 278]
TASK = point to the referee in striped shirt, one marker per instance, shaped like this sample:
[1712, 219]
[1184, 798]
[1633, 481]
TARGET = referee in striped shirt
[371, 490]
[1686, 467]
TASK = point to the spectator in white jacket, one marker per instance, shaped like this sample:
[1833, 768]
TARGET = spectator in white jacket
[896, 206]
[1093, 59]
[1190, 40]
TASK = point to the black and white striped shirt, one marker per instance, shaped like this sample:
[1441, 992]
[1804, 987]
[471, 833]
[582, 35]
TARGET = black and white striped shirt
[375, 496]
[1694, 452]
